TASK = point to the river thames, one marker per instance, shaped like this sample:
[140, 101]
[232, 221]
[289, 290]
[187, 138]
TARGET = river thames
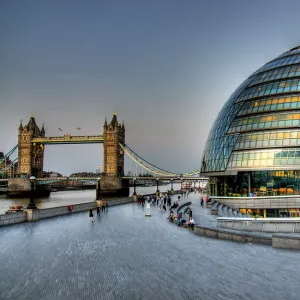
[74, 197]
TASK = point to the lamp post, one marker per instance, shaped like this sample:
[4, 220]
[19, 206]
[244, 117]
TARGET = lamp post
[157, 190]
[98, 194]
[171, 185]
[134, 186]
[31, 204]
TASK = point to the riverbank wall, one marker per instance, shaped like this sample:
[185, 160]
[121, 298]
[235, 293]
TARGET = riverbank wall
[29, 215]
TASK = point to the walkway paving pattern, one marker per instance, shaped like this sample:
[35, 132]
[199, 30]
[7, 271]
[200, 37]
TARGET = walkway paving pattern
[125, 255]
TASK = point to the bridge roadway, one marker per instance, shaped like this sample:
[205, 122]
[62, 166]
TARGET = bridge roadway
[125, 255]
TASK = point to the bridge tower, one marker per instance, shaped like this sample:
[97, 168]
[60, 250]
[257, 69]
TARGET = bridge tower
[113, 134]
[30, 155]
[112, 183]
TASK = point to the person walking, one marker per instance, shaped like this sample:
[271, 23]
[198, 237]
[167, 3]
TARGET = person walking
[102, 206]
[98, 211]
[91, 216]
[202, 201]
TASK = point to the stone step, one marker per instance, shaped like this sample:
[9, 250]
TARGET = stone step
[214, 208]
[225, 209]
[234, 213]
[229, 212]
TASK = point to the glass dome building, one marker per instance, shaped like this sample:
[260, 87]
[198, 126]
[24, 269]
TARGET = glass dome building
[254, 143]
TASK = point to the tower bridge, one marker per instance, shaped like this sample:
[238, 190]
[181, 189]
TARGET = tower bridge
[30, 161]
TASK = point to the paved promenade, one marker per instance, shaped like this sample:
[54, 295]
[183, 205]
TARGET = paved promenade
[125, 255]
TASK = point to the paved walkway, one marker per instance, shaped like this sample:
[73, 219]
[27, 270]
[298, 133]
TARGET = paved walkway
[125, 255]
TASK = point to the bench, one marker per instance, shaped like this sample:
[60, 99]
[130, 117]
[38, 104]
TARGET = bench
[183, 205]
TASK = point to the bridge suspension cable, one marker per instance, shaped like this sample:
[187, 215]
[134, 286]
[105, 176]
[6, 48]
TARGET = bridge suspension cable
[8, 154]
[8, 167]
[150, 167]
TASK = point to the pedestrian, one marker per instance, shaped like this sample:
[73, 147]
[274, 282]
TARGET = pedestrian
[202, 201]
[98, 211]
[102, 206]
[169, 201]
[91, 216]
[106, 206]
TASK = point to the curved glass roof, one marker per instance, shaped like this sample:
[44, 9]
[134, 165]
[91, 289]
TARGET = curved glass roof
[262, 114]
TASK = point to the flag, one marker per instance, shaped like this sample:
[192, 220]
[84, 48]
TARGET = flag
[78, 128]
[60, 129]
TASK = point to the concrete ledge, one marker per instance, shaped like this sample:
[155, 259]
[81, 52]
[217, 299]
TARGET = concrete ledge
[286, 241]
[283, 225]
[230, 235]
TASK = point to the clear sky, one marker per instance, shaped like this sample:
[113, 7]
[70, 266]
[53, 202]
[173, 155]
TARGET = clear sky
[165, 67]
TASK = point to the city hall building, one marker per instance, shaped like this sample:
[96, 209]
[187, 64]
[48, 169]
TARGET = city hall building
[253, 148]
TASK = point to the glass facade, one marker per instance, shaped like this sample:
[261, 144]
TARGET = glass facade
[270, 104]
[261, 183]
[253, 148]
[267, 121]
[259, 125]
[268, 139]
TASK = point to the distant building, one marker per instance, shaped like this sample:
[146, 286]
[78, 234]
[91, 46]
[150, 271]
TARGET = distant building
[100, 170]
[51, 174]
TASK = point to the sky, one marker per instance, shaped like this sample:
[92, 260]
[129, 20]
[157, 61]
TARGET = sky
[166, 67]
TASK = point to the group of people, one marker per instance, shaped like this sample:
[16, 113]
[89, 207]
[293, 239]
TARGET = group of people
[103, 207]
[181, 221]
[161, 201]
[202, 200]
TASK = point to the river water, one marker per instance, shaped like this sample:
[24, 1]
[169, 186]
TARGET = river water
[74, 197]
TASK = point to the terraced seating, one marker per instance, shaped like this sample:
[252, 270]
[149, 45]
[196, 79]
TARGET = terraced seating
[234, 213]
[223, 210]
[214, 208]
[229, 212]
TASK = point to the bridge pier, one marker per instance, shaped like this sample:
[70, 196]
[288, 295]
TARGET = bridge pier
[21, 188]
[114, 186]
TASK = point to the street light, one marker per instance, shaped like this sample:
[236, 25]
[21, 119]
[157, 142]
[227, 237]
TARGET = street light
[134, 189]
[31, 204]
[98, 194]
[157, 190]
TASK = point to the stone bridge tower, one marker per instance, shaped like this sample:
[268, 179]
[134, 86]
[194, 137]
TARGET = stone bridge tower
[111, 182]
[30, 155]
[113, 134]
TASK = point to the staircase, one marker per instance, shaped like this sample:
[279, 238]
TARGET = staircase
[222, 210]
